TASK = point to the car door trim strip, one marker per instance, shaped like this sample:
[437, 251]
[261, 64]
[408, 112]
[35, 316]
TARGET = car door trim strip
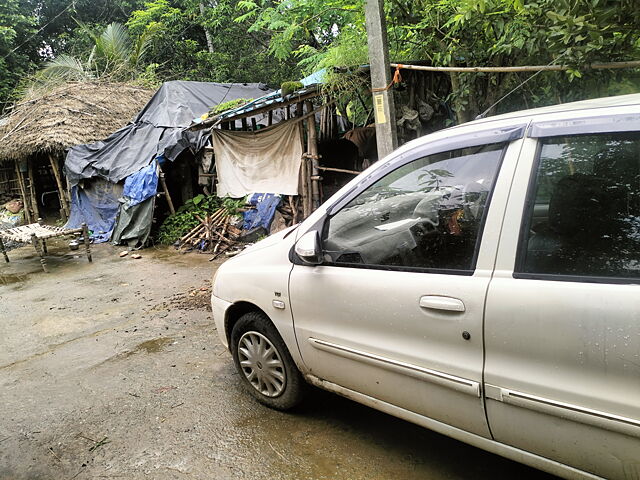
[597, 418]
[459, 384]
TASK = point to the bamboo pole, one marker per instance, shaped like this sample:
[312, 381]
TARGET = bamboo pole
[61, 191]
[304, 194]
[312, 149]
[166, 191]
[524, 68]
[23, 194]
[32, 191]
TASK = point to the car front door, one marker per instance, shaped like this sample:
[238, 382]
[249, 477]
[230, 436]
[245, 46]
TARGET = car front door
[395, 309]
[562, 322]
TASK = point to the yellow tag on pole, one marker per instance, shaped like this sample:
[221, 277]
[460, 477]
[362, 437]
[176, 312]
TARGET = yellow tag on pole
[378, 101]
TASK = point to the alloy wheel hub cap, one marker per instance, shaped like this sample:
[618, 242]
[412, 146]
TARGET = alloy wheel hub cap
[261, 364]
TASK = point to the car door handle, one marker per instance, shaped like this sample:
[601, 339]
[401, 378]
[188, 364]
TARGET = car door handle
[438, 302]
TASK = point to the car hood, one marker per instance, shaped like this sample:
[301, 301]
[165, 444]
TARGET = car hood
[269, 241]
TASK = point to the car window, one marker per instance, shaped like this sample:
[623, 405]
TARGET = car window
[583, 216]
[426, 214]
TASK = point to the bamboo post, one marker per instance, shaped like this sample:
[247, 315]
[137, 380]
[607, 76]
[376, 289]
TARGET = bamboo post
[166, 191]
[244, 124]
[85, 236]
[61, 191]
[312, 149]
[44, 240]
[303, 187]
[270, 120]
[36, 245]
[32, 191]
[3, 250]
[23, 194]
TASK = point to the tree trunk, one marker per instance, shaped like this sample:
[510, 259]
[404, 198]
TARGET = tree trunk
[462, 114]
[206, 31]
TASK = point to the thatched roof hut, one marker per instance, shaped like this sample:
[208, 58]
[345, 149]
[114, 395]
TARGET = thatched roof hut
[71, 114]
[39, 128]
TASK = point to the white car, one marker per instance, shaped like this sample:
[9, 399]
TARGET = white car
[482, 281]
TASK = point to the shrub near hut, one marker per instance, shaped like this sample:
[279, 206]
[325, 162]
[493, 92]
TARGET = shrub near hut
[192, 213]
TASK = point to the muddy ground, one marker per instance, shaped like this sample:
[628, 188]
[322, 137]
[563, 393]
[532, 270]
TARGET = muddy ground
[113, 370]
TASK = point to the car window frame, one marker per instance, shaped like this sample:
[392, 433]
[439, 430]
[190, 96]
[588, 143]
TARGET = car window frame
[416, 155]
[527, 211]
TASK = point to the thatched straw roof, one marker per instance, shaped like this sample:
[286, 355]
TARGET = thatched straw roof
[71, 114]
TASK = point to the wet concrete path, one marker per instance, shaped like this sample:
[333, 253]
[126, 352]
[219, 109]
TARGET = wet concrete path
[114, 370]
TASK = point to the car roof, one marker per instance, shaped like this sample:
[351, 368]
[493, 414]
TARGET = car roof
[604, 102]
[563, 110]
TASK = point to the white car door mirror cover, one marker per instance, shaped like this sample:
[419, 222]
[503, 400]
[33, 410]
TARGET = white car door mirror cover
[307, 248]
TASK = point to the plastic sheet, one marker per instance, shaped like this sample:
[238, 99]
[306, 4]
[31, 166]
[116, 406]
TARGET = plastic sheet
[96, 204]
[262, 216]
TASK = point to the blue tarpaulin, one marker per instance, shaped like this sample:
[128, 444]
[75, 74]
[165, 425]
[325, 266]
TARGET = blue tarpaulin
[262, 215]
[141, 185]
[159, 131]
[96, 204]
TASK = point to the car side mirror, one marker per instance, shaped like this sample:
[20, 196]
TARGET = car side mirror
[308, 248]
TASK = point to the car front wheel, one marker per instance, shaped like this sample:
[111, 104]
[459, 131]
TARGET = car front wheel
[264, 363]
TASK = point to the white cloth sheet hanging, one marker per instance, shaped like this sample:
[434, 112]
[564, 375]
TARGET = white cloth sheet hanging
[262, 161]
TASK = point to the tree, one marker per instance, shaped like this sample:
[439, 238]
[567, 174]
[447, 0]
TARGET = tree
[468, 33]
[16, 30]
[181, 49]
[114, 56]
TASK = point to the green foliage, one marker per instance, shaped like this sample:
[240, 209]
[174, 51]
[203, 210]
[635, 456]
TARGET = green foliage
[115, 56]
[288, 88]
[182, 51]
[231, 104]
[186, 217]
[17, 24]
[327, 34]
[167, 39]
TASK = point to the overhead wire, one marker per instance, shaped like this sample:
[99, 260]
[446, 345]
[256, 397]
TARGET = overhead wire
[72, 4]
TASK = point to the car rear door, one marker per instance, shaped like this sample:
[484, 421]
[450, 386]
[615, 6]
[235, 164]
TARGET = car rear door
[562, 321]
[395, 311]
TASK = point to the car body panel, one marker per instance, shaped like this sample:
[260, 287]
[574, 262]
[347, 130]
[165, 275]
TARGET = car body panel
[552, 365]
[562, 367]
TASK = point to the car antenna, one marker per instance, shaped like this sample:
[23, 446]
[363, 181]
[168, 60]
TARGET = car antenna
[517, 87]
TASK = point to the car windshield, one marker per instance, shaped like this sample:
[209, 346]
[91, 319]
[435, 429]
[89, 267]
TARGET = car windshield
[442, 174]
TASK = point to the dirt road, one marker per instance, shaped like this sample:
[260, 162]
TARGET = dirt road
[113, 370]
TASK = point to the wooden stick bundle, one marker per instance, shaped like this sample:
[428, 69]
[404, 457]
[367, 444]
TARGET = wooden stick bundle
[214, 233]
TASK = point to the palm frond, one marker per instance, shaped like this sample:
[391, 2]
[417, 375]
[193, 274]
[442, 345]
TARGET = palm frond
[63, 68]
[114, 44]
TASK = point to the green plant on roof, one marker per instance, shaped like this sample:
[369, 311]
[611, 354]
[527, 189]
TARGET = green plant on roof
[288, 88]
[230, 105]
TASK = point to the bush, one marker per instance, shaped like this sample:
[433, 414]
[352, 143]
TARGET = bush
[186, 217]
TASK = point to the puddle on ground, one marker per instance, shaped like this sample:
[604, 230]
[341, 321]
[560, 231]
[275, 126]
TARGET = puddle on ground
[150, 346]
[7, 279]
[153, 346]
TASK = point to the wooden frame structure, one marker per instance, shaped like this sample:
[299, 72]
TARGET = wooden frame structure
[296, 108]
[37, 235]
[25, 175]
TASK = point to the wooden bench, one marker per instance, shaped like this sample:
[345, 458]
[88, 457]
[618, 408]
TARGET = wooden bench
[37, 235]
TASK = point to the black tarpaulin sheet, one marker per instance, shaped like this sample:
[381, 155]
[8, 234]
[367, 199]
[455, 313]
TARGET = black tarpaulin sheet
[159, 129]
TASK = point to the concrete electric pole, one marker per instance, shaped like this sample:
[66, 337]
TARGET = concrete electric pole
[386, 136]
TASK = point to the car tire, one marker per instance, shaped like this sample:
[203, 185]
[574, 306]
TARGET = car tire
[264, 362]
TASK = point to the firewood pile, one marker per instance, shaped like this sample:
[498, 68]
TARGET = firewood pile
[215, 234]
[219, 234]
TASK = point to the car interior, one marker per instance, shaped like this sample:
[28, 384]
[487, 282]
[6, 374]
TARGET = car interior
[586, 217]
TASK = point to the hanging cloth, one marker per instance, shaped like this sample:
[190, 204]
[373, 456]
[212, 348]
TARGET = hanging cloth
[261, 161]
